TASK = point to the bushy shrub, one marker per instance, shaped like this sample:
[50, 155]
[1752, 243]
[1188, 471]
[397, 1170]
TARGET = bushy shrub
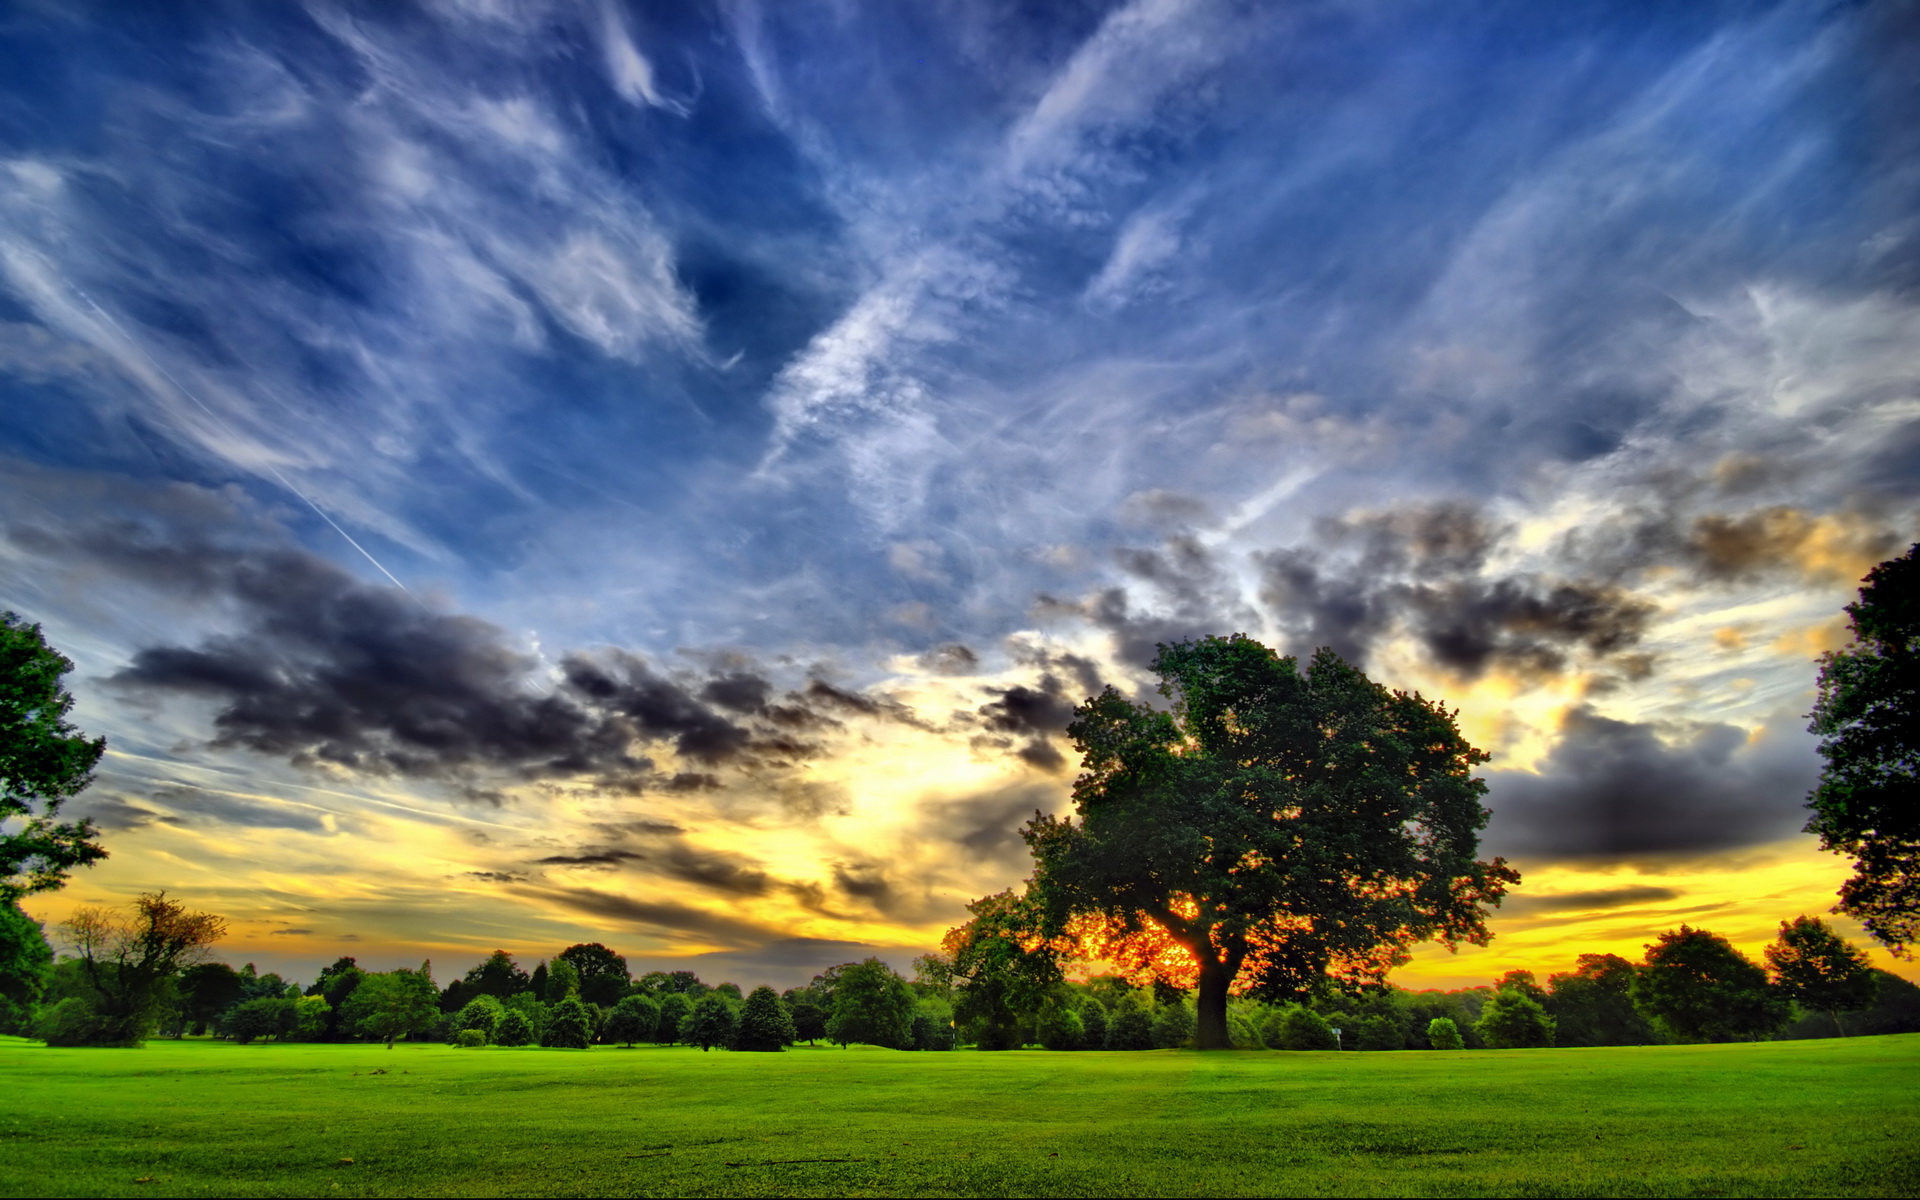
[482, 1013]
[74, 1022]
[1377, 1033]
[1060, 1028]
[513, 1030]
[1443, 1034]
[570, 1027]
[1242, 1034]
[470, 1038]
[1299, 1028]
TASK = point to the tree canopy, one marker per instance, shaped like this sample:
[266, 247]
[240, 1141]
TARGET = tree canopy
[1276, 828]
[44, 762]
[604, 977]
[1820, 969]
[765, 1023]
[1704, 990]
[873, 1005]
[1867, 803]
[127, 956]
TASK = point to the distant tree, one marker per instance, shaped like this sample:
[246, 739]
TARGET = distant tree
[1359, 805]
[932, 1023]
[1376, 1031]
[1093, 1023]
[483, 1013]
[1513, 1020]
[1059, 1026]
[764, 1024]
[1867, 803]
[1173, 1025]
[1000, 967]
[129, 959]
[1297, 1027]
[205, 991]
[44, 762]
[873, 1005]
[26, 968]
[809, 1019]
[1704, 990]
[310, 1015]
[1524, 983]
[675, 1011]
[570, 1026]
[1822, 970]
[513, 1030]
[632, 1020]
[1443, 1034]
[1130, 1026]
[388, 1005]
[257, 1019]
[537, 982]
[335, 984]
[1592, 1005]
[685, 983]
[711, 1024]
[563, 981]
[497, 976]
[604, 977]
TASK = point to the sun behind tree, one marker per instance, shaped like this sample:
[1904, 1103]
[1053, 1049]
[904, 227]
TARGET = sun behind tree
[1277, 828]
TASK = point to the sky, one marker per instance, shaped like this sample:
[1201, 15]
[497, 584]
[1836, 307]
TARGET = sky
[511, 473]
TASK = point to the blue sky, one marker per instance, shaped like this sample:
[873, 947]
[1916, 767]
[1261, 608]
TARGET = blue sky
[776, 415]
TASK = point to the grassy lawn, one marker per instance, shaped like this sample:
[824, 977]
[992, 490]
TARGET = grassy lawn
[211, 1118]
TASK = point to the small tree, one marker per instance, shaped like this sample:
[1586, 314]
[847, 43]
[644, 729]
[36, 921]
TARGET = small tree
[765, 1024]
[1513, 1020]
[633, 1019]
[873, 1005]
[129, 958]
[513, 1029]
[1704, 990]
[482, 1013]
[44, 762]
[1867, 804]
[570, 1027]
[1093, 1023]
[675, 1011]
[710, 1025]
[1443, 1034]
[389, 1005]
[809, 1019]
[1300, 1028]
[1822, 970]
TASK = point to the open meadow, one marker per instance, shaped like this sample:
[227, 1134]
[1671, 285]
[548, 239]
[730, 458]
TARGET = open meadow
[213, 1118]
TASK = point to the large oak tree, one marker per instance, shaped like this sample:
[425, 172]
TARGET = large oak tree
[1275, 828]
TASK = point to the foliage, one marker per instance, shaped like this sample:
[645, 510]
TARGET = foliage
[498, 976]
[1298, 1027]
[388, 1005]
[74, 1021]
[684, 983]
[1513, 1020]
[1130, 1026]
[603, 975]
[26, 967]
[570, 1027]
[204, 991]
[1093, 1023]
[1704, 990]
[44, 762]
[1443, 1034]
[1059, 1027]
[809, 1019]
[470, 1038]
[710, 1025]
[513, 1029]
[1000, 968]
[1172, 1025]
[1277, 827]
[764, 1022]
[483, 1013]
[335, 984]
[1820, 969]
[1867, 803]
[563, 981]
[129, 958]
[1376, 1031]
[1592, 1005]
[676, 1009]
[634, 1019]
[261, 1017]
[872, 1005]
[932, 1024]
[537, 982]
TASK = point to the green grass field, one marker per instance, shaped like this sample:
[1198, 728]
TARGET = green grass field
[211, 1118]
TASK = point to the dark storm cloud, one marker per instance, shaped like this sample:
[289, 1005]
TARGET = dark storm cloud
[951, 659]
[986, 826]
[1619, 790]
[1594, 901]
[1726, 547]
[1031, 715]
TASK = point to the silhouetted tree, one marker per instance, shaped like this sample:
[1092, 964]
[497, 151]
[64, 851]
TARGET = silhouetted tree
[764, 1024]
[1130, 1026]
[1820, 969]
[710, 1025]
[1702, 989]
[537, 982]
[570, 1026]
[129, 959]
[634, 1019]
[1592, 1005]
[604, 977]
[872, 1005]
[497, 976]
[1001, 968]
[335, 984]
[1277, 827]
[809, 1019]
[1513, 1020]
[1867, 804]
[44, 762]
[1059, 1027]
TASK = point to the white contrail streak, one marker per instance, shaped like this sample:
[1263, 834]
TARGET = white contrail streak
[232, 433]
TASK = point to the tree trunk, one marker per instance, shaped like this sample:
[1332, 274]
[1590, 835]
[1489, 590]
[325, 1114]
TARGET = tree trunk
[1210, 1030]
